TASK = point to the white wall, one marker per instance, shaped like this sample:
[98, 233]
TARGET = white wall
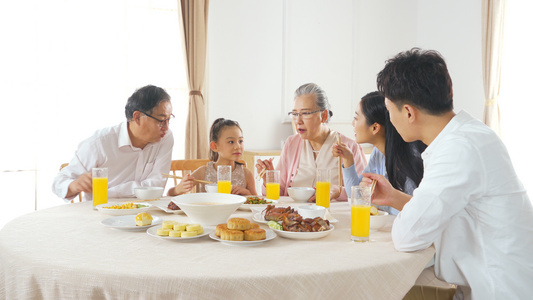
[261, 51]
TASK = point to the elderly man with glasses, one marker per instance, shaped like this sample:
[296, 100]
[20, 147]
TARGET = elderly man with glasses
[135, 152]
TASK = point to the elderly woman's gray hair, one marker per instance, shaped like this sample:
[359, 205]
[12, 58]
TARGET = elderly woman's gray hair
[321, 97]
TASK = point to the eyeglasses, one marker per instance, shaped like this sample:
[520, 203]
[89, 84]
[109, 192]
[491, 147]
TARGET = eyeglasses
[161, 122]
[304, 115]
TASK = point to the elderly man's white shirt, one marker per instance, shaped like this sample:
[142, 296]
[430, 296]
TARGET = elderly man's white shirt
[128, 167]
[473, 207]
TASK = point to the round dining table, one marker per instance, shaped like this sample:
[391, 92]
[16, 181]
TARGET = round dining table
[65, 252]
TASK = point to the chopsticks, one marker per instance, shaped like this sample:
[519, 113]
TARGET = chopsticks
[179, 177]
[341, 182]
[260, 175]
[372, 187]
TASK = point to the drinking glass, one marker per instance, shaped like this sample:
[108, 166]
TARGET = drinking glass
[224, 179]
[323, 186]
[272, 184]
[99, 186]
[360, 213]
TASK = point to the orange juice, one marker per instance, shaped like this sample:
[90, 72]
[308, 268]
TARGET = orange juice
[272, 191]
[360, 221]
[322, 193]
[99, 191]
[224, 186]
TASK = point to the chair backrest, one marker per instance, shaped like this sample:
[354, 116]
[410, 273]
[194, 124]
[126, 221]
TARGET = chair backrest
[61, 168]
[186, 166]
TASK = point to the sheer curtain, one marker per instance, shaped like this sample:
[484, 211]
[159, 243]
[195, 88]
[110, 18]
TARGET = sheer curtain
[493, 18]
[68, 68]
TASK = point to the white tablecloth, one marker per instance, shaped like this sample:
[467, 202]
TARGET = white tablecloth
[65, 253]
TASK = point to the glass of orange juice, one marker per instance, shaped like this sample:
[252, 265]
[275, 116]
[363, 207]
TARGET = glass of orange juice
[360, 213]
[323, 186]
[99, 186]
[224, 179]
[272, 184]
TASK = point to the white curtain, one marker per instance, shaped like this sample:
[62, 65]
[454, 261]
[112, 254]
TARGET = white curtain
[493, 19]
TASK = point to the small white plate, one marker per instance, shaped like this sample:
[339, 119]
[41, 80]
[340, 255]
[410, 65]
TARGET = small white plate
[127, 222]
[122, 212]
[153, 232]
[303, 235]
[269, 235]
[163, 205]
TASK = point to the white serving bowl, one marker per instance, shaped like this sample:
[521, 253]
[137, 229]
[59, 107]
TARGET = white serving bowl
[379, 220]
[311, 211]
[209, 209]
[301, 194]
[211, 188]
[146, 193]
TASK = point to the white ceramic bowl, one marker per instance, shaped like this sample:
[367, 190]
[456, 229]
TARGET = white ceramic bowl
[211, 188]
[301, 194]
[146, 193]
[209, 209]
[378, 221]
[311, 211]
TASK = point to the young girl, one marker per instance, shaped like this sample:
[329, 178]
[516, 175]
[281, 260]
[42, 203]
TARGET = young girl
[226, 148]
[392, 157]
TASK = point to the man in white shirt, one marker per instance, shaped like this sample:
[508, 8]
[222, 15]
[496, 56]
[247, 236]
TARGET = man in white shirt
[470, 204]
[135, 152]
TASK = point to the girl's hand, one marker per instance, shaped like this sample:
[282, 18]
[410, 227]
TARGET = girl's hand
[239, 190]
[312, 199]
[343, 151]
[186, 185]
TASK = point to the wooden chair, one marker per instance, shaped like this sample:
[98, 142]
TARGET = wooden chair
[186, 166]
[79, 195]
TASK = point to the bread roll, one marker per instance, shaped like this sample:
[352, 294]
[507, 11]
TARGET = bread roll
[232, 235]
[254, 234]
[143, 219]
[239, 224]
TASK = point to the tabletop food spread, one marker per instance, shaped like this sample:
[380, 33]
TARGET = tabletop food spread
[76, 251]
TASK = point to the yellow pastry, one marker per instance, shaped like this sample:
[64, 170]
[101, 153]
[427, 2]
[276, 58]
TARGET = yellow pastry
[194, 227]
[162, 231]
[373, 211]
[188, 234]
[180, 226]
[143, 219]
[174, 233]
[169, 224]
[239, 224]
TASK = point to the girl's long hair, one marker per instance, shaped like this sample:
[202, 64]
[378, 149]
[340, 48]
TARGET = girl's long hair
[402, 160]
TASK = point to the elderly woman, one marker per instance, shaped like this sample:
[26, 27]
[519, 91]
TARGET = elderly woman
[310, 148]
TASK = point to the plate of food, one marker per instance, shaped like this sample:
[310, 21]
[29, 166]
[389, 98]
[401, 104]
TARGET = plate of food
[168, 207]
[121, 209]
[303, 235]
[176, 235]
[257, 202]
[273, 213]
[269, 236]
[127, 222]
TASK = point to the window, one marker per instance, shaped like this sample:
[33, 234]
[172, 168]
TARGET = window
[68, 69]
[516, 103]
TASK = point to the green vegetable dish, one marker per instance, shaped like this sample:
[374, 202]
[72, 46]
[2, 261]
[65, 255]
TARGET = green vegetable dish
[256, 200]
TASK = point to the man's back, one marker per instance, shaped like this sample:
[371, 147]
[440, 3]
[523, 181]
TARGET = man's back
[471, 204]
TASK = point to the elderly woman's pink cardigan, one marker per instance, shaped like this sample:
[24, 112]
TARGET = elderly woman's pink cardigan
[290, 159]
